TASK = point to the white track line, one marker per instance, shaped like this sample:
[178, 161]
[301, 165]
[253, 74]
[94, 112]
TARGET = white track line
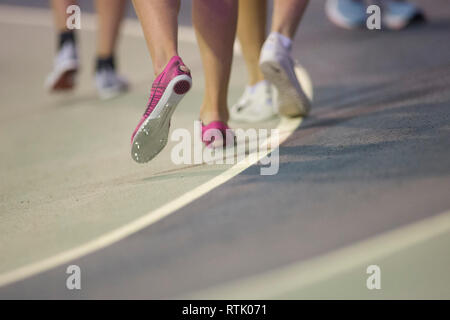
[297, 276]
[286, 128]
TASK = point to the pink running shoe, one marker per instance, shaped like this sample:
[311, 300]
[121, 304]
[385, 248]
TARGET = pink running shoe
[217, 135]
[151, 134]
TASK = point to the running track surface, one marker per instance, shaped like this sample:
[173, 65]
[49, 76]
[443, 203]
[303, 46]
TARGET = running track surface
[373, 157]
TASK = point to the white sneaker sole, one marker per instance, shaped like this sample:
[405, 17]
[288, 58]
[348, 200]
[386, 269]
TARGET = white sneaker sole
[153, 133]
[62, 78]
[292, 101]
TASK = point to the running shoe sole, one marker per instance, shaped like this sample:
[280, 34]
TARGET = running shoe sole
[292, 101]
[64, 81]
[153, 133]
[63, 78]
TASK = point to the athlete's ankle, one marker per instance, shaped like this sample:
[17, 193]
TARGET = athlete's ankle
[285, 41]
[161, 62]
[254, 86]
[206, 117]
[67, 36]
[256, 77]
[105, 62]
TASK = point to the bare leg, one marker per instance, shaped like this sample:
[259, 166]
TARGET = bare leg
[59, 8]
[159, 20]
[215, 25]
[287, 15]
[110, 13]
[251, 33]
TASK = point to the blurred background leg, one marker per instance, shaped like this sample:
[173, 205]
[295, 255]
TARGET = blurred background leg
[59, 8]
[110, 13]
[62, 76]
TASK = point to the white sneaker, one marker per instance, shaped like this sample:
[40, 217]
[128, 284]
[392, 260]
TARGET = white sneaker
[400, 14]
[278, 68]
[64, 70]
[255, 105]
[109, 84]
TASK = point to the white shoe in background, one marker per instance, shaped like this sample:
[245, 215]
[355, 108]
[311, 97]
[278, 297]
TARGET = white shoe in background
[109, 84]
[255, 105]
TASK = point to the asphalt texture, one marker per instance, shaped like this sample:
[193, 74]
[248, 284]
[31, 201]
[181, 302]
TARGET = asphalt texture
[373, 156]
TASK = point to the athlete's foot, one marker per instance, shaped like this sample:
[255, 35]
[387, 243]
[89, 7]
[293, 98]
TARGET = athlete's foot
[152, 131]
[279, 68]
[65, 67]
[215, 130]
[255, 105]
[217, 134]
